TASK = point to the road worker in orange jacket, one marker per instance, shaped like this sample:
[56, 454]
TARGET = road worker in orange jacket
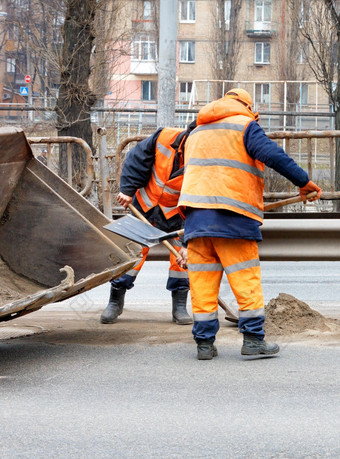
[222, 199]
[152, 177]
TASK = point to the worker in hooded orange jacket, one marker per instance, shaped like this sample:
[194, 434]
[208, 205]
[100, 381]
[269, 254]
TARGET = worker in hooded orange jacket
[222, 200]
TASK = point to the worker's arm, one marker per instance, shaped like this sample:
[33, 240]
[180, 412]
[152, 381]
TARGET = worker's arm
[260, 147]
[138, 164]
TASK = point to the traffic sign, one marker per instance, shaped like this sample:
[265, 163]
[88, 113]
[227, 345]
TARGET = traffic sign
[28, 78]
[23, 90]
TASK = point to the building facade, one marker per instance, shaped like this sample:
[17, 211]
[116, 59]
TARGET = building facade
[220, 44]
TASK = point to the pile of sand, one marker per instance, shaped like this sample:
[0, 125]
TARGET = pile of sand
[13, 286]
[286, 315]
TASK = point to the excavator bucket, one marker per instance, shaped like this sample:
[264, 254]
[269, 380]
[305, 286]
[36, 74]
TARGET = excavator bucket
[47, 228]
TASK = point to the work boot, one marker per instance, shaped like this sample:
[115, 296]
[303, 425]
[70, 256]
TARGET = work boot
[115, 306]
[255, 346]
[206, 350]
[179, 307]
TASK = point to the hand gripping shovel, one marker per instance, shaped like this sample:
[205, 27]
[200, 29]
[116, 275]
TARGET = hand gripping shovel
[286, 202]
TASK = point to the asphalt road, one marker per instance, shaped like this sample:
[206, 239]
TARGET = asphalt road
[317, 283]
[61, 399]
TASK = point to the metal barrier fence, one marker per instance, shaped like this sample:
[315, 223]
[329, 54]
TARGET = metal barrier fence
[104, 169]
[69, 140]
[286, 137]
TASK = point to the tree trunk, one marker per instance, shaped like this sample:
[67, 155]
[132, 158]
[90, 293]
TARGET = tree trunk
[336, 203]
[337, 126]
[75, 96]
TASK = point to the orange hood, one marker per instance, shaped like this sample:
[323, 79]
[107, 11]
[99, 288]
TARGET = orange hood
[222, 108]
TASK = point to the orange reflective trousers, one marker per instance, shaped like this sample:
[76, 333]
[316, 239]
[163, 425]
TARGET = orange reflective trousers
[208, 258]
[177, 279]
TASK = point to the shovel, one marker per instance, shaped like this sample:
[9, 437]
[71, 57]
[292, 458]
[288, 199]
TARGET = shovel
[286, 202]
[140, 230]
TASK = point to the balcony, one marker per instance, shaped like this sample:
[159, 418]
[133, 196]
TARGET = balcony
[139, 67]
[259, 29]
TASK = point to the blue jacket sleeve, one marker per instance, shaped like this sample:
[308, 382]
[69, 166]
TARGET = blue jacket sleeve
[137, 167]
[260, 147]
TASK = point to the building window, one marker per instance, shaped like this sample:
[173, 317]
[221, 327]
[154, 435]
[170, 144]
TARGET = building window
[226, 48]
[335, 52]
[227, 9]
[22, 4]
[58, 20]
[10, 31]
[185, 88]
[188, 11]
[263, 11]
[262, 93]
[303, 54]
[187, 51]
[304, 12]
[262, 53]
[222, 53]
[10, 64]
[147, 10]
[148, 90]
[143, 49]
[303, 94]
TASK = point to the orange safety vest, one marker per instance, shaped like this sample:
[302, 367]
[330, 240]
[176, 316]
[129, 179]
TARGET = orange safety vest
[219, 173]
[161, 190]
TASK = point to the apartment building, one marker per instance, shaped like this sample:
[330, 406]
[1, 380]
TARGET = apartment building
[220, 44]
[28, 40]
[260, 39]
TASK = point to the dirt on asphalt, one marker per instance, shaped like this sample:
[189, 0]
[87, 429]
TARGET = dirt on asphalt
[287, 320]
[286, 315]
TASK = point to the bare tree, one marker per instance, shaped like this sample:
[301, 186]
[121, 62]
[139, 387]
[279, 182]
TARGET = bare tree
[225, 41]
[290, 54]
[319, 28]
[70, 48]
[76, 98]
[34, 43]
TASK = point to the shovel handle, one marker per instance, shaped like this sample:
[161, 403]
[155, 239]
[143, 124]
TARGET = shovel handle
[285, 202]
[229, 314]
[166, 243]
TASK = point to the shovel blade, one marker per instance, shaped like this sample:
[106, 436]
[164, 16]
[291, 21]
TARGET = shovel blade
[137, 230]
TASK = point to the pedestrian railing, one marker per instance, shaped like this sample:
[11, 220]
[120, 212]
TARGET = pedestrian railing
[109, 165]
[69, 141]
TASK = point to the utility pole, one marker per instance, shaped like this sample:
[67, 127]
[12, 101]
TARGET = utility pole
[30, 89]
[167, 62]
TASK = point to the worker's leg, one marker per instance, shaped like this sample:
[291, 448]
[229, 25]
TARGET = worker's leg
[205, 274]
[241, 264]
[178, 284]
[118, 289]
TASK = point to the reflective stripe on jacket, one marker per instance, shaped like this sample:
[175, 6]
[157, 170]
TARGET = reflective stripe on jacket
[219, 173]
[161, 190]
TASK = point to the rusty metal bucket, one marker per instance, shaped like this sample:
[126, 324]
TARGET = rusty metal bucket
[46, 227]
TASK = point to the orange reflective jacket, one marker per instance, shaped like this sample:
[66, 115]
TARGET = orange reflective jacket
[219, 173]
[161, 190]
